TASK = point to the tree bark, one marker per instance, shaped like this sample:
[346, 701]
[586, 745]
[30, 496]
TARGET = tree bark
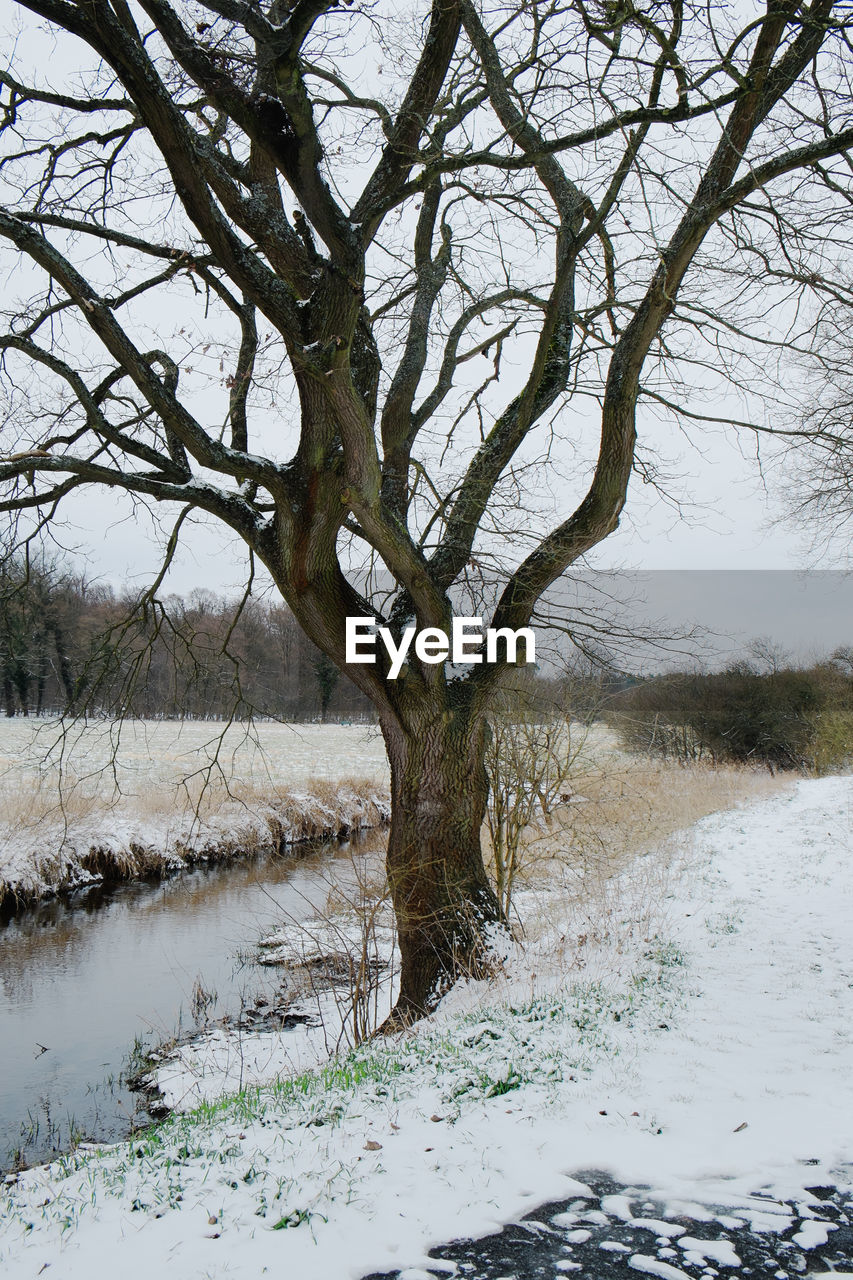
[447, 912]
[22, 686]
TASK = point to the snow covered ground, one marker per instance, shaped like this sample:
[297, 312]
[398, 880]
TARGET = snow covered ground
[689, 1029]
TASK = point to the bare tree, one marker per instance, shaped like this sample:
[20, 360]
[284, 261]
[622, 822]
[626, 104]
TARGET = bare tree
[534, 759]
[504, 213]
[819, 447]
[37, 606]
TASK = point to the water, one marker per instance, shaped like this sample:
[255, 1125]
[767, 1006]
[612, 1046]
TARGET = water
[82, 982]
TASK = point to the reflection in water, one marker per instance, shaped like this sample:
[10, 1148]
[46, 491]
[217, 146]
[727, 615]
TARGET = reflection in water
[80, 983]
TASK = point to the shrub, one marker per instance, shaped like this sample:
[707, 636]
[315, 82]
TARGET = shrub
[832, 741]
[788, 718]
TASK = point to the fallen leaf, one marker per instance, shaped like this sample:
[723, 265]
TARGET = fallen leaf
[370, 1145]
[740, 1128]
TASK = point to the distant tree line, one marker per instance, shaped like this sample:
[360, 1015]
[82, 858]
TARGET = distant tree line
[761, 712]
[66, 643]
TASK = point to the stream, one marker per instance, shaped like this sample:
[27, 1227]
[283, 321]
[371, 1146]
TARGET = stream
[89, 984]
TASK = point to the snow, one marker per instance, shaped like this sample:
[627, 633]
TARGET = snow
[617, 1207]
[656, 1226]
[131, 795]
[720, 1251]
[643, 1055]
[654, 1267]
[812, 1234]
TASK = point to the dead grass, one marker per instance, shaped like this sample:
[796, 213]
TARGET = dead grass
[605, 865]
[635, 805]
[54, 846]
[621, 808]
[597, 879]
[626, 806]
[82, 803]
[344, 952]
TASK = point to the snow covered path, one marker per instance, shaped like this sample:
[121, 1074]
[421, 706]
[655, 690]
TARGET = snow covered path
[721, 1065]
[767, 1039]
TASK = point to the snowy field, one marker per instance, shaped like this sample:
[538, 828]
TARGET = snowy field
[143, 796]
[686, 1027]
[140, 758]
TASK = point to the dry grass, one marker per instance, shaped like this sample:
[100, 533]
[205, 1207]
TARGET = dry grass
[604, 867]
[345, 951]
[164, 803]
[150, 799]
[634, 805]
[92, 844]
[597, 878]
[622, 806]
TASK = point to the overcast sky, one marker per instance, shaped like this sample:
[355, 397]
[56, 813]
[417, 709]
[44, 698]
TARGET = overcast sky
[725, 520]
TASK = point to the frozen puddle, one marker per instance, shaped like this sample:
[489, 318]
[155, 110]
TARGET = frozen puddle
[615, 1232]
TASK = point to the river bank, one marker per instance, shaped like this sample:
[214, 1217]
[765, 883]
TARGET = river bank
[686, 1027]
[90, 986]
[102, 803]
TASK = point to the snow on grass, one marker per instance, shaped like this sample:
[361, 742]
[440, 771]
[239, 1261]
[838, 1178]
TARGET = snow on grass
[144, 756]
[146, 798]
[705, 1062]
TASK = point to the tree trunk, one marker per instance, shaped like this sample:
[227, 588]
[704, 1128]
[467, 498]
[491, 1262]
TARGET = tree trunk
[64, 664]
[21, 682]
[446, 910]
